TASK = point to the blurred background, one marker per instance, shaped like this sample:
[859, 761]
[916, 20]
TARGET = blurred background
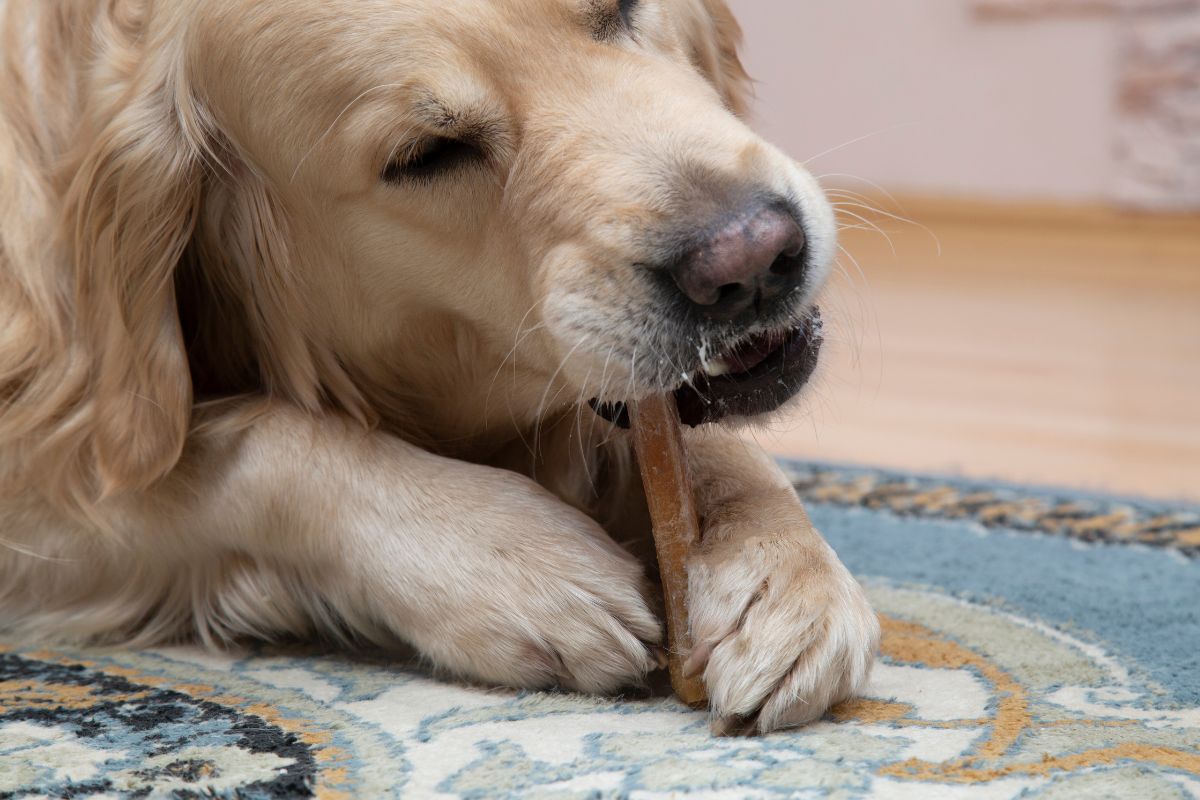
[1019, 185]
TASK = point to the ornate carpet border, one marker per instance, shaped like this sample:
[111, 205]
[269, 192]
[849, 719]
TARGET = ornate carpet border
[1086, 519]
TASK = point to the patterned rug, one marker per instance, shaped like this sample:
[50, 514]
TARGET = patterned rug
[1036, 645]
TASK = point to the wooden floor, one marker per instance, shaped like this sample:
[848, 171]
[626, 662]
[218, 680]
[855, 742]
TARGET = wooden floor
[1055, 348]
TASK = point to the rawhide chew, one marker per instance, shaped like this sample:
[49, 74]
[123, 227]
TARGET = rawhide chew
[658, 443]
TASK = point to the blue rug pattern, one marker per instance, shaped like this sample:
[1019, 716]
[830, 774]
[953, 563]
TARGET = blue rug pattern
[1037, 644]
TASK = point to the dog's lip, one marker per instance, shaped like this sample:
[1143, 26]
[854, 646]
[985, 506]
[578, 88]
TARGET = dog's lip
[764, 373]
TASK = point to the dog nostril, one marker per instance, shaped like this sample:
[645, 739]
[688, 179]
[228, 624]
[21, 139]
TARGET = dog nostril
[727, 291]
[788, 263]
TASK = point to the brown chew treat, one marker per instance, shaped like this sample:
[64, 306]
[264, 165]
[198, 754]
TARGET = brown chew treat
[659, 445]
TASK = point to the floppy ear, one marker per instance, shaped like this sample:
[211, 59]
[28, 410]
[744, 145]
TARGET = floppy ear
[131, 209]
[715, 37]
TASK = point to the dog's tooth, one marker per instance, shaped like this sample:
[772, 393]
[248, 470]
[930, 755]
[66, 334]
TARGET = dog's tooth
[716, 368]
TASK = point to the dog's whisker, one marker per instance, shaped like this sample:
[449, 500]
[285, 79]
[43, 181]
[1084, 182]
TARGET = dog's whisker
[539, 415]
[879, 189]
[512, 354]
[632, 374]
[857, 342]
[871, 225]
[846, 194]
[603, 391]
[901, 219]
[857, 266]
[518, 339]
[580, 405]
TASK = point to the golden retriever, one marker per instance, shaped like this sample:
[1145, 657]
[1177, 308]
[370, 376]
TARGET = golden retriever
[305, 306]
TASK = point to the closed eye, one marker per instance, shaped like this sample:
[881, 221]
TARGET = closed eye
[609, 19]
[627, 9]
[431, 158]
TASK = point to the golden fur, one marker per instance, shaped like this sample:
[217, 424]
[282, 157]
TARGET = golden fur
[249, 389]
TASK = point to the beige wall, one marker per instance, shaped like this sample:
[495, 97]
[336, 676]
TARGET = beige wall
[952, 101]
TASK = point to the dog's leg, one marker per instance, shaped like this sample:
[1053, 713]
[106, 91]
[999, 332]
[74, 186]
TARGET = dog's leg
[782, 629]
[310, 521]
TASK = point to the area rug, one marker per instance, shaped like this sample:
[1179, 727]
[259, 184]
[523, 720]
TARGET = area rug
[1037, 644]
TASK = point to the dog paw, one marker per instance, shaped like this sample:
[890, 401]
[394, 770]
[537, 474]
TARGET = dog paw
[782, 632]
[581, 626]
[544, 607]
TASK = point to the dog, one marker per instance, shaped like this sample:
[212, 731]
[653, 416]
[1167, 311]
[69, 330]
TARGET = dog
[305, 307]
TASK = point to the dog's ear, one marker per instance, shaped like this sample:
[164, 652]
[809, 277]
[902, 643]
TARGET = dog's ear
[715, 36]
[130, 212]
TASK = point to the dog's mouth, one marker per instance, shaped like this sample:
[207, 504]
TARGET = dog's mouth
[755, 377]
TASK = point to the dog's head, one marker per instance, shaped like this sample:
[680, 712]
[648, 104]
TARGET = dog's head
[373, 193]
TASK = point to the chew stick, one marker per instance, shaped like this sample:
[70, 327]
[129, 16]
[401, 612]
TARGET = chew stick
[658, 443]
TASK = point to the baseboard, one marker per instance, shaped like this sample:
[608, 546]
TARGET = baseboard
[1031, 214]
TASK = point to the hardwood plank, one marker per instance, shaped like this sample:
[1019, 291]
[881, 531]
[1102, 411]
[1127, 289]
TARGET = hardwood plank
[1063, 353]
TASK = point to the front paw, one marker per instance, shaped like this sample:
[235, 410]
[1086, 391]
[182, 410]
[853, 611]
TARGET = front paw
[579, 623]
[783, 631]
[531, 601]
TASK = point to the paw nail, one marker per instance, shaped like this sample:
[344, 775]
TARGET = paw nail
[735, 726]
[697, 661]
[660, 657]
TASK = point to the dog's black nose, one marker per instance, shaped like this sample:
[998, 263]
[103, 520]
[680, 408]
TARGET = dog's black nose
[746, 265]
